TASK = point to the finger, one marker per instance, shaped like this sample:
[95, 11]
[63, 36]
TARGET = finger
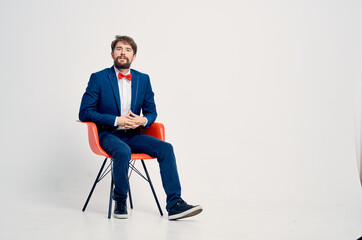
[134, 124]
[131, 120]
[133, 114]
[128, 123]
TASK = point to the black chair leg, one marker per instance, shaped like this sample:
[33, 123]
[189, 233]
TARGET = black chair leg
[130, 196]
[153, 190]
[110, 199]
[94, 185]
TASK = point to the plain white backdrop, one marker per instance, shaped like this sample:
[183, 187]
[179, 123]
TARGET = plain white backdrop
[257, 98]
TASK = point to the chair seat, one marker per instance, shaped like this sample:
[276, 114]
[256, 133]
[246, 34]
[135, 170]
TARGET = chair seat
[140, 156]
[134, 156]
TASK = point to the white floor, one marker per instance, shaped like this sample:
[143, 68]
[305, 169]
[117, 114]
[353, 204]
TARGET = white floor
[59, 216]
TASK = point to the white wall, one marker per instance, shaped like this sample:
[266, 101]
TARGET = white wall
[257, 96]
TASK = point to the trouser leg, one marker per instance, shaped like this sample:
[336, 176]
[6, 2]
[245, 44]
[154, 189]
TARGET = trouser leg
[164, 153]
[121, 154]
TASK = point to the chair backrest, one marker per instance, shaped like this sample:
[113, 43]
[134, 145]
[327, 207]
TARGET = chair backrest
[156, 130]
[93, 139]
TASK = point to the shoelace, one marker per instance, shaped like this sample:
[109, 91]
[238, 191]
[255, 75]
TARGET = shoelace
[122, 205]
[182, 203]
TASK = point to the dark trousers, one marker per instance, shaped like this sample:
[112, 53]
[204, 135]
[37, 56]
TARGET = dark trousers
[120, 145]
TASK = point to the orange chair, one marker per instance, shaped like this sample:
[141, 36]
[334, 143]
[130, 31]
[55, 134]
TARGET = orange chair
[156, 130]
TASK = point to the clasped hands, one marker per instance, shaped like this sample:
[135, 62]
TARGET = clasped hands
[131, 120]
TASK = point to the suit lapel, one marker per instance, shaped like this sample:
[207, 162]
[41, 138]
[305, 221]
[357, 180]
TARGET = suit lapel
[134, 87]
[114, 83]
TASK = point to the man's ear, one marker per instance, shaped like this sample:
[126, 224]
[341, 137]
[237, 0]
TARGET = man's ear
[112, 55]
[134, 57]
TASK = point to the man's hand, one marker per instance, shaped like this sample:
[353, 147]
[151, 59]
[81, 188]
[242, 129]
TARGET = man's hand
[140, 121]
[130, 120]
[126, 121]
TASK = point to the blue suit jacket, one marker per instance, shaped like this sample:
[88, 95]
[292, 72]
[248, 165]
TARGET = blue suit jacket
[101, 102]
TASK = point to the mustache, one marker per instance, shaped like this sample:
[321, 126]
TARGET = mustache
[122, 57]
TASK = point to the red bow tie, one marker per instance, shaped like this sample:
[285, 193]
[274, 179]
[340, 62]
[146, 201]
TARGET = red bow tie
[128, 76]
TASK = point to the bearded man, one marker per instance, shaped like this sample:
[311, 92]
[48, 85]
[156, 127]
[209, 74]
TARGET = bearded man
[114, 100]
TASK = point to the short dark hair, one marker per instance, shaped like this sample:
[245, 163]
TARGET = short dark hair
[124, 39]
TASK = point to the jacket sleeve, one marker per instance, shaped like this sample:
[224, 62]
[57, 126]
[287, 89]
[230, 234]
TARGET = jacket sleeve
[88, 107]
[148, 105]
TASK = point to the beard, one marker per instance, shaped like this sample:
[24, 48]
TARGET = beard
[120, 65]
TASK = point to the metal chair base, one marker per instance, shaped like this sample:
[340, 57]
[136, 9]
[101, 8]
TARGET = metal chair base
[102, 173]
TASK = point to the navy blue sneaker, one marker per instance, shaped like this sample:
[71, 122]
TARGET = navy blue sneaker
[182, 210]
[120, 210]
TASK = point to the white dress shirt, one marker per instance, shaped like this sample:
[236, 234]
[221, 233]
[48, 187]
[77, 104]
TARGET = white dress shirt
[125, 94]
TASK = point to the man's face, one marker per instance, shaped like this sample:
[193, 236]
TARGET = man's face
[123, 55]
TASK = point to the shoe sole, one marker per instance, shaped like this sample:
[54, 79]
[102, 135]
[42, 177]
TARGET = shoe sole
[189, 213]
[120, 216]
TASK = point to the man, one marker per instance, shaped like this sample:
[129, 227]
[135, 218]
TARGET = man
[114, 100]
